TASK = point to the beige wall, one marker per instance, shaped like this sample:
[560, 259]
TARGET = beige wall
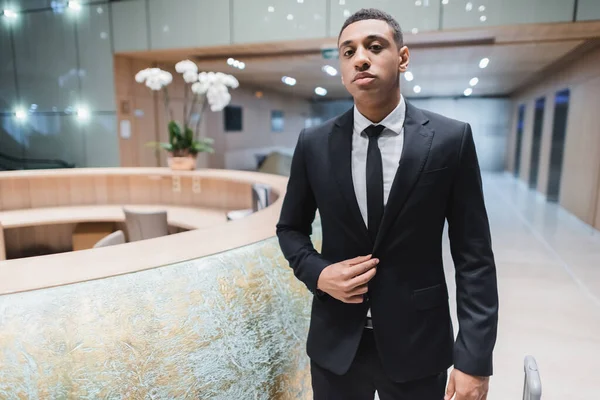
[580, 183]
[235, 150]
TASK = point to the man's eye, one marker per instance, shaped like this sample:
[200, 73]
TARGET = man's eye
[376, 47]
[348, 53]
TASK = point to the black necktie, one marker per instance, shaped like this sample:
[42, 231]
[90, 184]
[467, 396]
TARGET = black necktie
[374, 181]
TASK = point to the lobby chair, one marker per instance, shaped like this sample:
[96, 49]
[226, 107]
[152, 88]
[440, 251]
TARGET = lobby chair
[142, 225]
[113, 239]
[532, 388]
[261, 198]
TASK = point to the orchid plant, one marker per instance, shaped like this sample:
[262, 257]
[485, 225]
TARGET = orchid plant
[207, 89]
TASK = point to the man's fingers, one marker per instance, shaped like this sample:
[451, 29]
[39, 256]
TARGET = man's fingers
[354, 299]
[450, 390]
[364, 278]
[358, 260]
[359, 269]
[359, 290]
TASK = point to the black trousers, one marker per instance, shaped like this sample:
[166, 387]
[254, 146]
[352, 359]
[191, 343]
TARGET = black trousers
[366, 375]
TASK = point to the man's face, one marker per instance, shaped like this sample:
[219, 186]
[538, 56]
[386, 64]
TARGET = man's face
[370, 60]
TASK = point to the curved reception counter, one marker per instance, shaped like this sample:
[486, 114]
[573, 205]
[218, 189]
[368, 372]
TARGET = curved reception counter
[212, 312]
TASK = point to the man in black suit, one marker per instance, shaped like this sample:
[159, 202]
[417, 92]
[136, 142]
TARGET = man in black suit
[385, 176]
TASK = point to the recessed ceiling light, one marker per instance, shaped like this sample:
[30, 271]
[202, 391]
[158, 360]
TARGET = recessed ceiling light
[418, 3]
[415, 31]
[300, 1]
[271, 9]
[409, 76]
[468, 92]
[290, 17]
[469, 6]
[288, 80]
[484, 62]
[230, 61]
[444, 2]
[10, 14]
[474, 81]
[74, 5]
[241, 65]
[321, 91]
[346, 13]
[417, 89]
[329, 70]
[342, 2]
[483, 18]
[482, 8]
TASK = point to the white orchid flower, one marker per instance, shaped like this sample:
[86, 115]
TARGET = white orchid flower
[190, 76]
[165, 77]
[186, 66]
[141, 76]
[200, 87]
[155, 78]
[231, 82]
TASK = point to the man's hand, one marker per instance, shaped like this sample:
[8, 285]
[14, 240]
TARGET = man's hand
[347, 280]
[467, 387]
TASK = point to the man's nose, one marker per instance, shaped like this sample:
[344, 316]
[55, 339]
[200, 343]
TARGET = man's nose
[361, 61]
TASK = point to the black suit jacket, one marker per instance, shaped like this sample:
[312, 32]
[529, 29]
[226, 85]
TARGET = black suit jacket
[438, 178]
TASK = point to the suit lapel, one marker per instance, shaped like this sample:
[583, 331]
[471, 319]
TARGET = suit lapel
[417, 143]
[340, 159]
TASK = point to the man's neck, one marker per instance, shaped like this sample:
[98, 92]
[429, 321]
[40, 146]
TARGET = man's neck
[377, 111]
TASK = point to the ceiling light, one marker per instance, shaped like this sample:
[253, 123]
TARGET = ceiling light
[321, 91]
[290, 17]
[468, 92]
[83, 113]
[482, 8]
[74, 5]
[417, 89]
[444, 2]
[242, 65]
[20, 114]
[230, 61]
[300, 1]
[409, 76]
[418, 3]
[469, 6]
[342, 2]
[415, 31]
[236, 63]
[329, 70]
[271, 9]
[474, 81]
[288, 80]
[484, 62]
[483, 18]
[99, 10]
[10, 14]
[346, 13]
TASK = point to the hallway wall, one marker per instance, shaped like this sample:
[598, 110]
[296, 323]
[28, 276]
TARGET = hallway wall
[580, 183]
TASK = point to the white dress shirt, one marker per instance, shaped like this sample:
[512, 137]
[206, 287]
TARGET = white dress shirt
[390, 144]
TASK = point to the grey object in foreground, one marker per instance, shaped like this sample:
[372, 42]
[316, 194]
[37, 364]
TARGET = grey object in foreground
[532, 388]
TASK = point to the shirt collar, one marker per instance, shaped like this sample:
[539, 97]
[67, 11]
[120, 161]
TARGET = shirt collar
[393, 122]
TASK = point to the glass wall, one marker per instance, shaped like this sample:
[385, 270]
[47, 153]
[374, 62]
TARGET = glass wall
[519, 140]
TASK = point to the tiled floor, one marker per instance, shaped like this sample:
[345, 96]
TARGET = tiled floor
[548, 265]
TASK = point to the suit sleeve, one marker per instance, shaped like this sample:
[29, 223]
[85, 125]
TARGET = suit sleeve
[295, 223]
[476, 282]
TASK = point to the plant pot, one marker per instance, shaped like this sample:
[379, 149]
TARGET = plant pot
[183, 163]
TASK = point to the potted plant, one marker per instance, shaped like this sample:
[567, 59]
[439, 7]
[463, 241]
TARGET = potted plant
[207, 89]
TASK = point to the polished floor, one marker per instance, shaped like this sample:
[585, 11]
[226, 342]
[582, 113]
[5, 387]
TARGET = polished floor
[548, 265]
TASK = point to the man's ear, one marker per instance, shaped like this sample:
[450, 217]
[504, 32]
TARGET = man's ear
[403, 59]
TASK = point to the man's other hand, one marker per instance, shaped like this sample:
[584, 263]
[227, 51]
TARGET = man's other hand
[467, 387]
[347, 280]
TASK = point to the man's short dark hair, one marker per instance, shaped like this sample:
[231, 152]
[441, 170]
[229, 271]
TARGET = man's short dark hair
[373, 13]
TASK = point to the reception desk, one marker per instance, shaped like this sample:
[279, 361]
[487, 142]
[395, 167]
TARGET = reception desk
[213, 312]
